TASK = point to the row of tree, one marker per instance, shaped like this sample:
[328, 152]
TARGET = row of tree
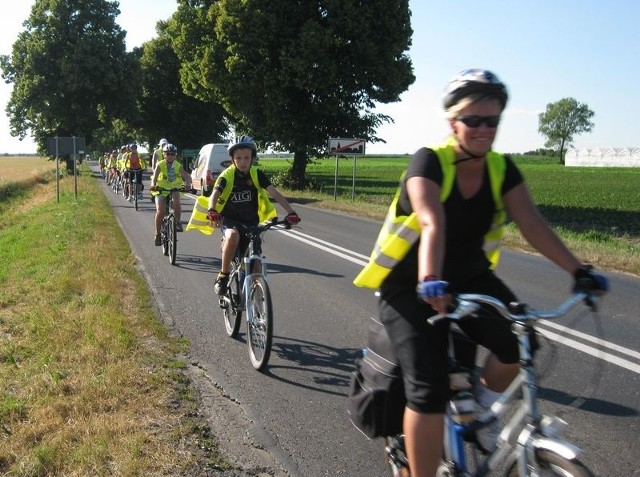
[291, 74]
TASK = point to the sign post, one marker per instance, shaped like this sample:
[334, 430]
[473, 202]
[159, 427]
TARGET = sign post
[65, 145]
[347, 147]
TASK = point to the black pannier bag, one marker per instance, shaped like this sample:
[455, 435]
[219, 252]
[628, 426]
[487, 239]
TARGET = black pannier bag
[376, 393]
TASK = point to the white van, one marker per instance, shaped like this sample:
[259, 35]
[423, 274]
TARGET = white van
[212, 160]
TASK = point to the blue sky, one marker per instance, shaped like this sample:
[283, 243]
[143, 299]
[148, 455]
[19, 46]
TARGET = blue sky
[544, 50]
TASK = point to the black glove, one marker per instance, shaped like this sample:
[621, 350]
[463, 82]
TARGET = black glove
[586, 280]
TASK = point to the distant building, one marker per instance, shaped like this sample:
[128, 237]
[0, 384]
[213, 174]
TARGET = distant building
[603, 157]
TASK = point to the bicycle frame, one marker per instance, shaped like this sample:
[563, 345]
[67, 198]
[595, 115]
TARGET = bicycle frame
[248, 290]
[526, 432]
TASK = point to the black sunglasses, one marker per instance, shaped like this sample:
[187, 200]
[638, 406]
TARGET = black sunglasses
[476, 121]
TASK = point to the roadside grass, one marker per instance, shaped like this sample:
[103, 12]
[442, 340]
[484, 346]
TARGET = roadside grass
[90, 381]
[596, 211]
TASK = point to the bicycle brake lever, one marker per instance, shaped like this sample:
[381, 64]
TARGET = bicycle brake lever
[463, 309]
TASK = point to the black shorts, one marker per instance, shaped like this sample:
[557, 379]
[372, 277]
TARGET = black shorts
[228, 223]
[421, 348]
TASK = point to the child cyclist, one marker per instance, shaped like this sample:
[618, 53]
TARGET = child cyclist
[168, 174]
[240, 196]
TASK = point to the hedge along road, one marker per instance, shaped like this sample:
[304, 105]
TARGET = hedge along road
[296, 411]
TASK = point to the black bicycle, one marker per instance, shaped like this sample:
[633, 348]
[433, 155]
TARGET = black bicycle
[248, 290]
[168, 230]
[134, 179]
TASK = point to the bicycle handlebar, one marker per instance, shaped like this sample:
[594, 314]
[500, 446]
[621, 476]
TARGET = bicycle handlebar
[182, 190]
[468, 304]
[263, 227]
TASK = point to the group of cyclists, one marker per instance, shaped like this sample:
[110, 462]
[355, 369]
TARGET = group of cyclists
[441, 236]
[125, 166]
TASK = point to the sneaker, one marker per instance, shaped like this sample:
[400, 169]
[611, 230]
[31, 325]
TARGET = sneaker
[220, 285]
[140, 196]
[158, 241]
[487, 436]
[179, 228]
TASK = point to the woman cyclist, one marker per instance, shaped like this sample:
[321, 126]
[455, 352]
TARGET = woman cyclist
[442, 236]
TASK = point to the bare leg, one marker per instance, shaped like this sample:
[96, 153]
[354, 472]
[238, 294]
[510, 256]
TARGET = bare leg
[496, 375]
[177, 208]
[229, 246]
[423, 437]
[161, 204]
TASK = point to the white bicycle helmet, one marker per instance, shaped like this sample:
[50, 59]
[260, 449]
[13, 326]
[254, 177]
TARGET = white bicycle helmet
[169, 148]
[474, 81]
[243, 141]
[162, 142]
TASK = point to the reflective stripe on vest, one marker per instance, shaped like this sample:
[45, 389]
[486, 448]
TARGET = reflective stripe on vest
[199, 220]
[400, 233]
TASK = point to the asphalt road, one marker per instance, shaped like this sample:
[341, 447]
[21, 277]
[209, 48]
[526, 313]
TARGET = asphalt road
[295, 412]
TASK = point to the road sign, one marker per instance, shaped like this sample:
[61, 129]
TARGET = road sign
[65, 145]
[346, 146]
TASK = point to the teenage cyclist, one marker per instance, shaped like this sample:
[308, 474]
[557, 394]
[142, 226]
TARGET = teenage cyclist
[240, 195]
[168, 174]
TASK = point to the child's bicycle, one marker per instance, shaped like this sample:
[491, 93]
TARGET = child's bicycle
[529, 444]
[248, 290]
[168, 230]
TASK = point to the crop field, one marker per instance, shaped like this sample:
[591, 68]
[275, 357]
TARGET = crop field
[579, 199]
[16, 168]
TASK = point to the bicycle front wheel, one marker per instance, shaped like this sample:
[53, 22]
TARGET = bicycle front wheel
[172, 239]
[233, 311]
[550, 463]
[135, 194]
[260, 327]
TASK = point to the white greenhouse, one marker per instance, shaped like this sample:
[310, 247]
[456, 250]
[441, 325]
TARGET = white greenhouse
[603, 157]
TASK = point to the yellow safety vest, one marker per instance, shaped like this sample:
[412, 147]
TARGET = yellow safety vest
[199, 220]
[163, 177]
[400, 232]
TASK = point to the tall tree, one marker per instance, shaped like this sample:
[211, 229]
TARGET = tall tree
[561, 121]
[294, 74]
[70, 71]
[165, 110]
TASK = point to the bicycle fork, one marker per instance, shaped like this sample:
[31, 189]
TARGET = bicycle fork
[249, 261]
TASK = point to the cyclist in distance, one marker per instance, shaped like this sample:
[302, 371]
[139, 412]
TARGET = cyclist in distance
[168, 174]
[240, 195]
[133, 166]
[157, 153]
[442, 236]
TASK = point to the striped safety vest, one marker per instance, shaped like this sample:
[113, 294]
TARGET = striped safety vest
[199, 220]
[400, 232]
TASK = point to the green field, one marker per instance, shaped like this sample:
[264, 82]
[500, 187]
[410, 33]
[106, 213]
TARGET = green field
[597, 210]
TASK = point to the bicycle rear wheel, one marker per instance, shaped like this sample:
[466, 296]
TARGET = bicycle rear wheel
[260, 328]
[172, 239]
[552, 464]
[233, 312]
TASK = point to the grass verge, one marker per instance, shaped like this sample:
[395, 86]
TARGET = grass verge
[603, 250]
[90, 381]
